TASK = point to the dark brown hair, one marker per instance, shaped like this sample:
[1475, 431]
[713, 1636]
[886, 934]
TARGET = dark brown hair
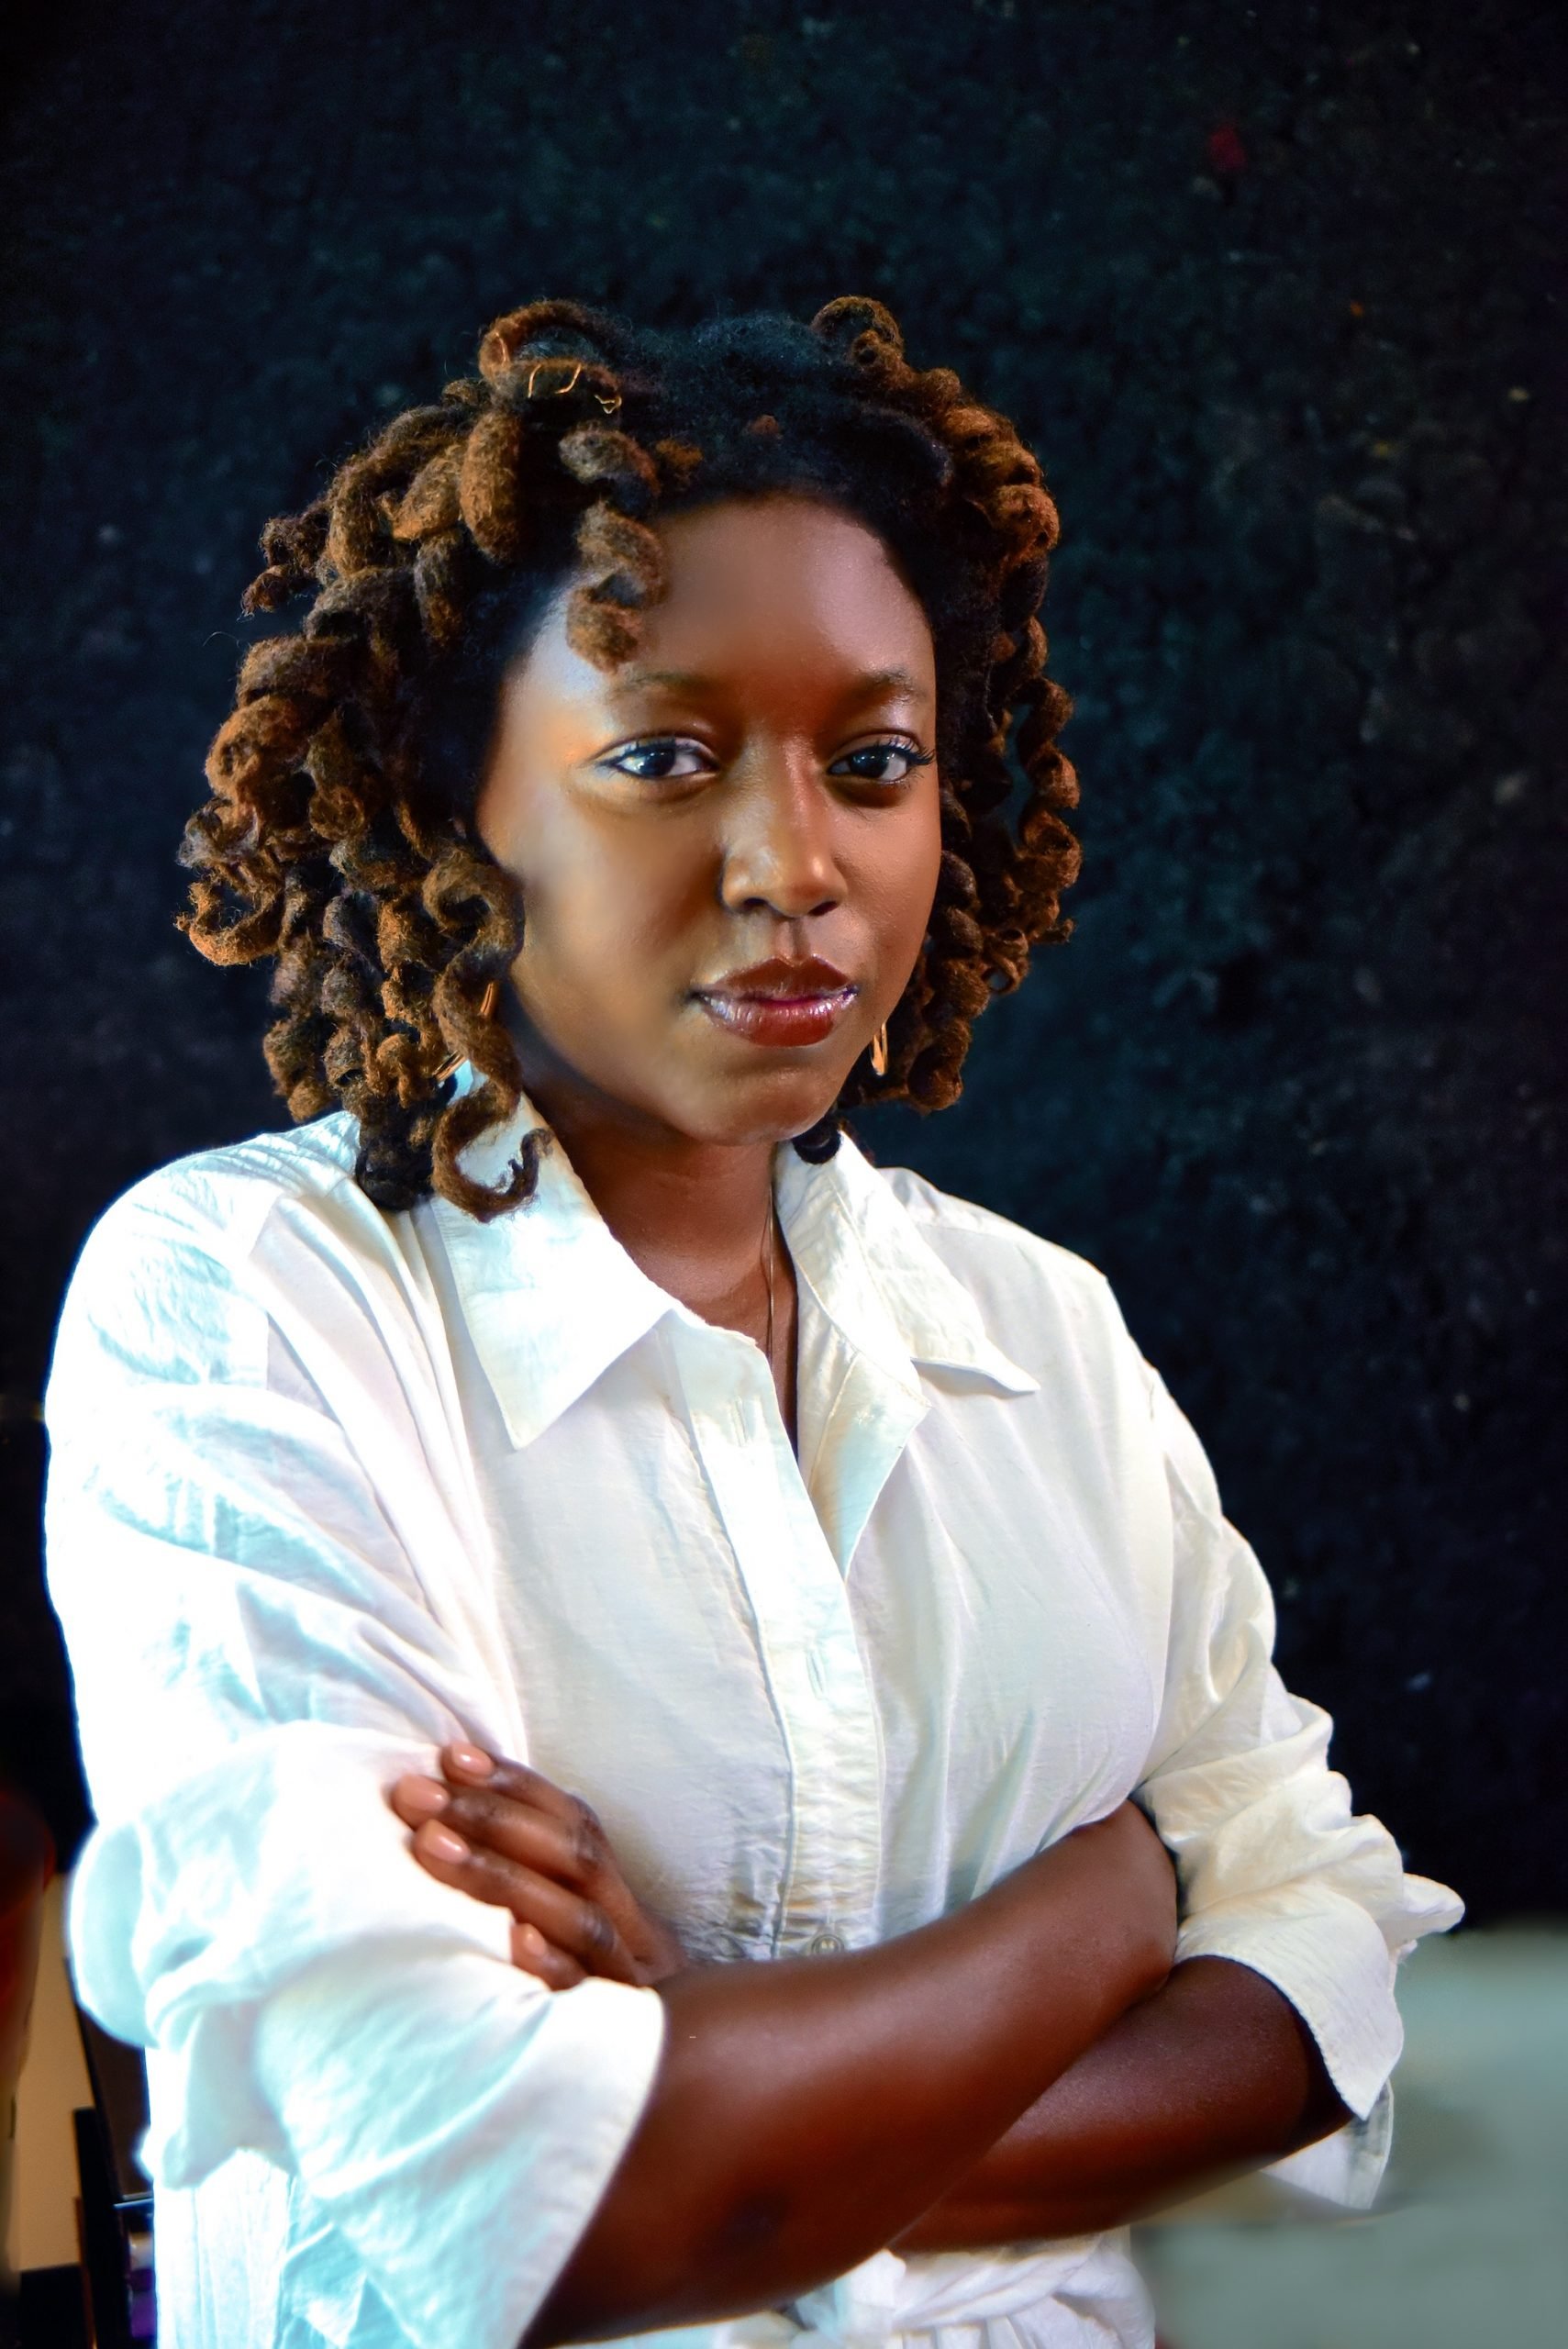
[336, 837]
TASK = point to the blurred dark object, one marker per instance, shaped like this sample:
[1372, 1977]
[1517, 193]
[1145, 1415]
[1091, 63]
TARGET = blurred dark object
[119, 2093]
[27, 1862]
[52, 2309]
[38, 1728]
[116, 2193]
[117, 2241]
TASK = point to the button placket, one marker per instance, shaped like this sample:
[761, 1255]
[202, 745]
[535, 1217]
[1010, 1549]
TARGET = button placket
[806, 1636]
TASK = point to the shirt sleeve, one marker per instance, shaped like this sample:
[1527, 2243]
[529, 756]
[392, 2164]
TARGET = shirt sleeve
[256, 1658]
[1276, 1870]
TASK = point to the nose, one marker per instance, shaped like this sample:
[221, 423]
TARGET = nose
[779, 852]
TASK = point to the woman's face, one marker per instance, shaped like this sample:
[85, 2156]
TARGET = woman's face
[727, 851]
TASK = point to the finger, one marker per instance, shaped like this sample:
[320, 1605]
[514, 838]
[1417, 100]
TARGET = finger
[567, 1851]
[592, 1862]
[558, 1842]
[572, 1850]
[577, 1926]
[468, 1765]
[415, 1799]
[532, 1954]
[554, 1847]
[505, 1805]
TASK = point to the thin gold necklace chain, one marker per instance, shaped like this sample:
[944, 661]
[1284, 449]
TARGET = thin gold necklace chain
[770, 1245]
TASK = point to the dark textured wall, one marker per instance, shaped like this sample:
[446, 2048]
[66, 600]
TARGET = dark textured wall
[1270, 291]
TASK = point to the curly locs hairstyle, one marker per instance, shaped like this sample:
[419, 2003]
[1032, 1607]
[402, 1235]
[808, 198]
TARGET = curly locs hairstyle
[337, 838]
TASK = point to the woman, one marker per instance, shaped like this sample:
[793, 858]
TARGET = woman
[531, 1430]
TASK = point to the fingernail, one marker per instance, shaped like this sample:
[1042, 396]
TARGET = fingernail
[441, 1844]
[426, 1798]
[471, 1760]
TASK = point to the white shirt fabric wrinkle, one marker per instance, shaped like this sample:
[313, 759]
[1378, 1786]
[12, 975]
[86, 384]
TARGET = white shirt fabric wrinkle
[331, 1487]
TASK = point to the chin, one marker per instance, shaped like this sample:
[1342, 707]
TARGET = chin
[768, 1109]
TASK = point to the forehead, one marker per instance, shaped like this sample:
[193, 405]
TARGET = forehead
[752, 565]
[775, 602]
[762, 593]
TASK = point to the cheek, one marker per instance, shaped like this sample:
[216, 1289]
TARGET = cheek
[901, 881]
[601, 899]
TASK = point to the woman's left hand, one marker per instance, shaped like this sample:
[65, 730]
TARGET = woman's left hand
[506, 1836]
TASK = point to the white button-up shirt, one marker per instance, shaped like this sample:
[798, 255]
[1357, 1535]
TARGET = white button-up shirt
[331, 1487]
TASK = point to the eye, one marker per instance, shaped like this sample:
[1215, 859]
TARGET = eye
[869, 763]
[653, 759]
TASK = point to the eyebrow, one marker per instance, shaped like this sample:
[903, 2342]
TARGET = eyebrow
[869, 688]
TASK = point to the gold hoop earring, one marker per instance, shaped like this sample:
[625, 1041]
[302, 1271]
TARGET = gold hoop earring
[450, 1067]
[879, 1052]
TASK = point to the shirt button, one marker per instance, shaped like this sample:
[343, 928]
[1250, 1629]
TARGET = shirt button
[826, 1945]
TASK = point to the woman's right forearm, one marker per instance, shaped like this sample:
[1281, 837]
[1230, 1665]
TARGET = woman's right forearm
[806, 2111]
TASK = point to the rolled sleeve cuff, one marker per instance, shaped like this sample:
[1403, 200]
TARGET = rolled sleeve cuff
[1328, 1957]
[1347, 2167]
[462, 2133]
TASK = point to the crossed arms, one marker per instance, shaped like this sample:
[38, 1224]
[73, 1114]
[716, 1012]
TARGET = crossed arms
[1027, 2067]
[256, 1653]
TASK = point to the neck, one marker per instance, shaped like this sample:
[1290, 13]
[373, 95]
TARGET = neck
[696, 1217]
[692, 1215]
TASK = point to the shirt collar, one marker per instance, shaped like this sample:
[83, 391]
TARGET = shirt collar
[551, 1299]
[875, 1277]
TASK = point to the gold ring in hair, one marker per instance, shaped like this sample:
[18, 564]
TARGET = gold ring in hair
[560, 389]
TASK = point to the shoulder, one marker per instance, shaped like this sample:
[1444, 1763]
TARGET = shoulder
[977, 1239]
[224, 1197]
[1058, 1316]
[1051, 1310]
[950, 1222]
[168, 1275]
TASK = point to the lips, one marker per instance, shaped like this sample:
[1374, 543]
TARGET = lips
[780, 1003]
